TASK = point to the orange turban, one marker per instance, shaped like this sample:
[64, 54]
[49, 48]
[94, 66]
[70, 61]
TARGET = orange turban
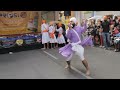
[105, 17]
[59, 24]
[43, 21]
[51, 23]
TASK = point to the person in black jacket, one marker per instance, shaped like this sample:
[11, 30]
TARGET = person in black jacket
[106, 35]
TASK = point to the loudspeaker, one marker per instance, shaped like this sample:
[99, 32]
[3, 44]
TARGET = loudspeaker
[67, 13]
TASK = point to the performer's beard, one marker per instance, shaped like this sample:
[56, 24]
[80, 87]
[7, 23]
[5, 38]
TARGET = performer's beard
[73, 25]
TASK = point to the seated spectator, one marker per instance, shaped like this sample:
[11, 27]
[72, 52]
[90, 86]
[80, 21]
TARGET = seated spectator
[116, 35]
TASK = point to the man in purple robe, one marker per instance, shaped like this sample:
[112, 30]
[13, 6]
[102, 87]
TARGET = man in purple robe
[75, 44]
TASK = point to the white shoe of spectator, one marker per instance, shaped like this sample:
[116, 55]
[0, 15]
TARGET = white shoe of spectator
[100, 46]
[115, 50]
[103, 46]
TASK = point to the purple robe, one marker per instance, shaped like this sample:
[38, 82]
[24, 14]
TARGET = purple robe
[66, 51]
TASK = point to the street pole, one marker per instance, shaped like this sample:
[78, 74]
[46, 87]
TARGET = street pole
[54, 15]
[93, 13]
[78, 16]
[81, 17]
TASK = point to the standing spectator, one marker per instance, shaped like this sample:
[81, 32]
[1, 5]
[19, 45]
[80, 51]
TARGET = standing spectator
[112, 26]
[116, 21]
[92, 31]
[45, 34]
[56, 33]
[97, 36]
[53, 39]
[82, 25]
[88, 27]
[110, 19]
[111, 34]
[60, 38]
[116, 35]
[64, 31]
[99, 30]
[106, 36]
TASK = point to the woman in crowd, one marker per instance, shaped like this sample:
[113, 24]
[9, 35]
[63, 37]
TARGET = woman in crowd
[116, 34]
[92, 30]
[99, 32]
[60, 38]
[53, 39]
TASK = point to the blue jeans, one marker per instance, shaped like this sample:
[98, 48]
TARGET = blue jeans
[106, 39]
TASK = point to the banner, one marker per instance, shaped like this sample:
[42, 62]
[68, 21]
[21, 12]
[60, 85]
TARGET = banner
[19, 40]
[15, 22]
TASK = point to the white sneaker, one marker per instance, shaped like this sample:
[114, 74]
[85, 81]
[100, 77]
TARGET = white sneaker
[115, 50]
[103, 46]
